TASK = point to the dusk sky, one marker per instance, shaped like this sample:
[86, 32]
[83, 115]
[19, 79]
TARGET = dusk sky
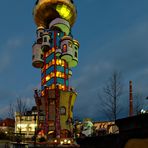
[113, 35]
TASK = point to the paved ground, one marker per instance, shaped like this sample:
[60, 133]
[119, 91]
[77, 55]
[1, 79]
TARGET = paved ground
[4, 144]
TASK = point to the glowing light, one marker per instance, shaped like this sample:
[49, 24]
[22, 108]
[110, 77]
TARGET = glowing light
[53, 86]
[63, 10]
[60, 62]
[33, 125]
[57, 74]
[42, 93]
[53, 49]
[22, 125]
[65, 140]
[55, 141]
[57, 62]
[61, 142]
[69, 142]
[47, 78]
[63, 63]
[53, 62]
[64, 48]
[50, 132]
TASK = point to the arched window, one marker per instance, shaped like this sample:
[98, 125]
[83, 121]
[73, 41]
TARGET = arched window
[63, 110]
[45, 39]
[76, 55]
[64, 48]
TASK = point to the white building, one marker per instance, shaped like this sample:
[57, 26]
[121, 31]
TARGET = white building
[26, 123]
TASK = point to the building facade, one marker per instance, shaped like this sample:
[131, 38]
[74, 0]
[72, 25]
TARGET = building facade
[7, 126]
[26, 124]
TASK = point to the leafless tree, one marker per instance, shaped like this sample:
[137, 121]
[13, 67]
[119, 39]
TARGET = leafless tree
[21, 108]
[138, 103]
[21, 105]
[11, 111]
[111, 94]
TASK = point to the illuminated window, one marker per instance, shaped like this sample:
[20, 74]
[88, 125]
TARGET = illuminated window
[63, 110]
[58, 34]
[64, 48]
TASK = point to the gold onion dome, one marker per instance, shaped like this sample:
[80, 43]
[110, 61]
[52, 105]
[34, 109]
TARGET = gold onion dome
[47, 10]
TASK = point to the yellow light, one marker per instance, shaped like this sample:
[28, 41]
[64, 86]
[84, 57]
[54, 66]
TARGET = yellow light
[53, 86]
[50, 132]
[69, 142]
[53, 62]
[63, 11]
[63, 87]
[61, 142]
[65, 140]
[22, 125]
[53, 49]
[57, 74]
[57, 62]
[52, 74]
[47, 78]
[60, 61]
[55, 141]
[62, 75]
[42, 93]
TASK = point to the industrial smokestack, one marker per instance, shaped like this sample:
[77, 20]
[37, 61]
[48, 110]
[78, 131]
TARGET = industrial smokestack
[130, 99]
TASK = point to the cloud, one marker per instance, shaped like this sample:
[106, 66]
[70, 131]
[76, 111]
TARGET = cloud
[7, 51]
[127, 53]
[4, 111]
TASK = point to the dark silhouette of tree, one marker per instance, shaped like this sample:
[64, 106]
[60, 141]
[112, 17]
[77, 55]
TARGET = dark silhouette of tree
[21, 106]
[138, 103]
[111, 94]
[11, 111]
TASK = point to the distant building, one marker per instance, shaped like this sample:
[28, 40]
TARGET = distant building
[106, 127]
[97, 128]
[7, 125]
[26, 123]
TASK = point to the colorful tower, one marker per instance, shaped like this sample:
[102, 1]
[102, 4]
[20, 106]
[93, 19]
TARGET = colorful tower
[55, 52]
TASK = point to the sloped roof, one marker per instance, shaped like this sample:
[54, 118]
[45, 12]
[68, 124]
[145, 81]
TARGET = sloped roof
[7, 122]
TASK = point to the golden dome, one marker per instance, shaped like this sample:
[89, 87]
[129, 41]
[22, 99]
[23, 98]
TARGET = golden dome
[47, 10]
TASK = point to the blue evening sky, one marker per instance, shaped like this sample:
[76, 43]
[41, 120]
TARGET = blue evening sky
[113, 35]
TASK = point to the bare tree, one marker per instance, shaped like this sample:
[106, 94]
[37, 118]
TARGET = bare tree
[11, 111]
[138, 103]
[21, 108]
[110, 98]
[21, 105]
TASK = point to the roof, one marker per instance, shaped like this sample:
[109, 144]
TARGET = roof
[7, 122]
